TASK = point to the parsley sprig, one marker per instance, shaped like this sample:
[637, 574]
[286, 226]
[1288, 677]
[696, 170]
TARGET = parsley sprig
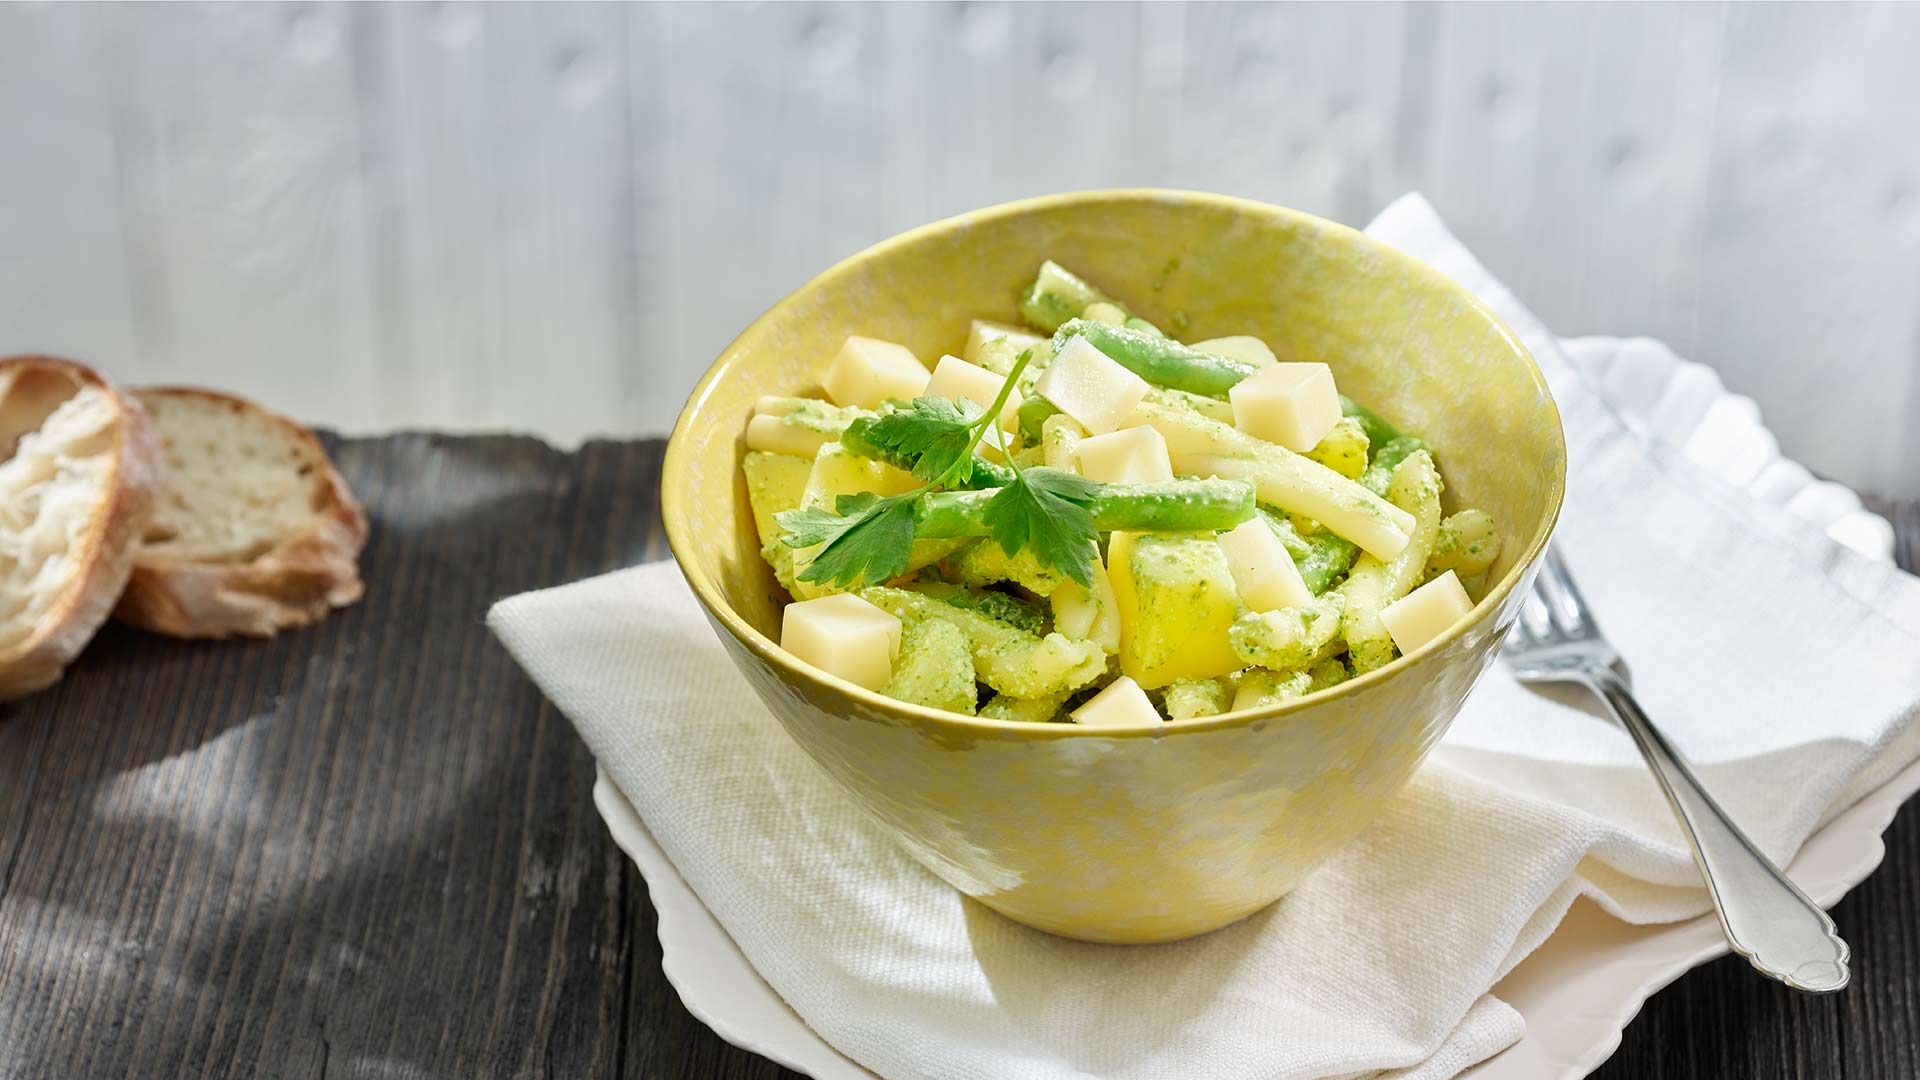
[936, 434]
[868, 538]
[1047, 509]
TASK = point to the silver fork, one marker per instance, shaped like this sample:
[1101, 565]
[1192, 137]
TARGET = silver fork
[1767, 919]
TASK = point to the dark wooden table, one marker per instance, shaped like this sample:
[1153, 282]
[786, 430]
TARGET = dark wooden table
[368, 849]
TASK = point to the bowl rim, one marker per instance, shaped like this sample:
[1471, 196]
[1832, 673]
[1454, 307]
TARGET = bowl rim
[674, 516]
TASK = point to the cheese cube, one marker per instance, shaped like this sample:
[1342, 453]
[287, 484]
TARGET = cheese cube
[1084, 614]
[1121, 704]
[843, 635]
[1089, 386]
[1262, 570]
[1426, 612]
[1294, 405]
[868, 371]
[955, 378]
[1136, 455]
[983, 331]
[1241, 347]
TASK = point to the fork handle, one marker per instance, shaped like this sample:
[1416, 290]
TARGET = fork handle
[1766, 917]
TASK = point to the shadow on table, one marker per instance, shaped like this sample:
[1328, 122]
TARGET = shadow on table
[365, 845]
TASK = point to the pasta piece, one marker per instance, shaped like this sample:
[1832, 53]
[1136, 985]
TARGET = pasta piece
[1060, 438]
[1008, 660]
[1202, 447]
[1089, 614]
[1327, 673]
[981, 338]
[1211, 408]
[1259, 688]
[1040, 710]
[1294, 637]
[1373, 584]
[1192, 699]
[1242, 347]
[1466, 544]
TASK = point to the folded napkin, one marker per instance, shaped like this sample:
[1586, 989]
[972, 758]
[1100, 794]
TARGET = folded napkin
[1785, 667]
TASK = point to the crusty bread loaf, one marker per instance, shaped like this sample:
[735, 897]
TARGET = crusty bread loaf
[77, 471]
[253, 529]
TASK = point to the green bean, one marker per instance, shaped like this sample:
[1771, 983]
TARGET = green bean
[986, 474]
[1178, 505]
[1135, 322]
[1387, 447]
[1386, 458]
[1015, 612]
[1379, 432]
[1033, 412]
[1321, 556]
[1328, 558]
[1058, 295]
[1159, 360]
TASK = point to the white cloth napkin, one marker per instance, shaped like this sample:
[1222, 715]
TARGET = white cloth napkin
[1787, 668]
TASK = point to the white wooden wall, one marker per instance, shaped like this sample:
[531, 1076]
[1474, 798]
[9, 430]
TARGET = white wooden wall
[551, 217]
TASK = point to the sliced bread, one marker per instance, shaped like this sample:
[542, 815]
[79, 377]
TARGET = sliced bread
[253, 529]
[77, 470]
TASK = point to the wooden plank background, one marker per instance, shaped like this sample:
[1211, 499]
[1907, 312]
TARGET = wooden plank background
[550, 218]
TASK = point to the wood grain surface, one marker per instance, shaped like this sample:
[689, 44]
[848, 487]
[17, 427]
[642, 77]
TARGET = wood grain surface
[369, 849]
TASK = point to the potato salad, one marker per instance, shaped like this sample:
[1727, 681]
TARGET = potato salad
[1086, 520]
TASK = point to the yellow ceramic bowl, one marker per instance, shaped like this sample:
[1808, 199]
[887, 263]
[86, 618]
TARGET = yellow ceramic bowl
[1151, 835]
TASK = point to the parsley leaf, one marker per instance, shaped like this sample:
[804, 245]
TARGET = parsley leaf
[1048, 509]
[805, 528]
[935, 437]
[935, 433]
[868, 539]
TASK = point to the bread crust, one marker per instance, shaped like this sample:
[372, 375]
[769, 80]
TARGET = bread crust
[297, 582]
[106, 552]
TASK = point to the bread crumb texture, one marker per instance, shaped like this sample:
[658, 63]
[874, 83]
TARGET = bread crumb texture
[236, 484]
[50, 487]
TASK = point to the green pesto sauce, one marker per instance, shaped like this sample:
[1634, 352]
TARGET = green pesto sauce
[819, 416]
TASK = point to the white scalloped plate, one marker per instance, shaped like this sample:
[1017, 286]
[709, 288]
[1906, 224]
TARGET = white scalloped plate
[1579, 990]
[1684, 405]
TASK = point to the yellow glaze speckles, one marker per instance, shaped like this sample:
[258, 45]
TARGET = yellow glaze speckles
[1161, 833]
